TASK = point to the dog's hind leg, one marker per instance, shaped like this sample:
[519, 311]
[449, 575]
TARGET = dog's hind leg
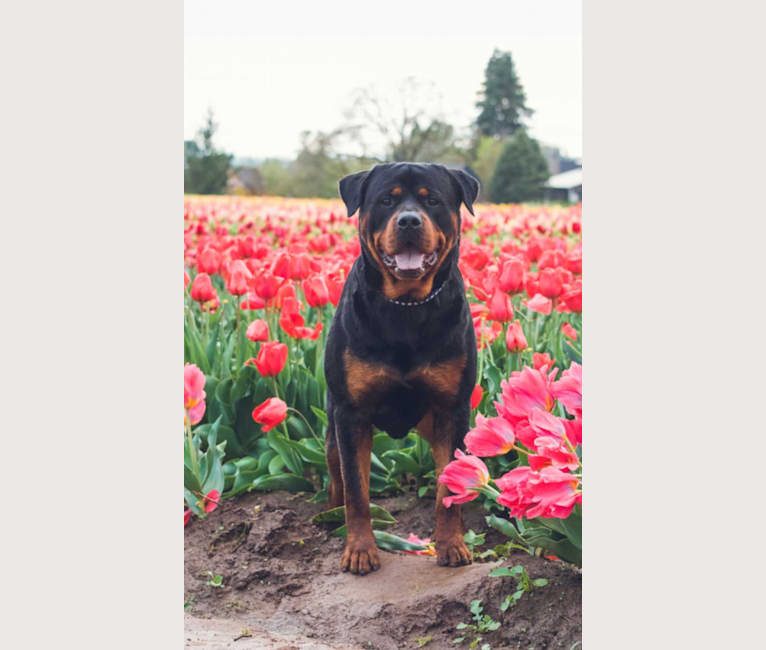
[335, 488]
[444, 431]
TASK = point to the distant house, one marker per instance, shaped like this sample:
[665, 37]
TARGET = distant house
[245, 180]
[566, 186]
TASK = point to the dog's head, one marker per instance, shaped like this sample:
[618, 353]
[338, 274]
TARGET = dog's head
[409, 220]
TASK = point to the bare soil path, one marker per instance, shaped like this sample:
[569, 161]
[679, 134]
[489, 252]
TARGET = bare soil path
[282, 588]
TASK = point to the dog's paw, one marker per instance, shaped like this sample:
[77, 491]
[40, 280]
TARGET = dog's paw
[453, 552]
[360, 557]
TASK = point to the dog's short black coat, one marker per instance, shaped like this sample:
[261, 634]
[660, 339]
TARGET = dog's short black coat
[401, 350]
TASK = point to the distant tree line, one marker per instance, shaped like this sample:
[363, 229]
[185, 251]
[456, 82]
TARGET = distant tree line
[406, 126]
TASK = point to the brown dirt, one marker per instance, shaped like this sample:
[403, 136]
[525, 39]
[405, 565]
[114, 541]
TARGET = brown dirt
[283, 586]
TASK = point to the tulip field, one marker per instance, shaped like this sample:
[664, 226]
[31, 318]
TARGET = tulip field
[262, 277]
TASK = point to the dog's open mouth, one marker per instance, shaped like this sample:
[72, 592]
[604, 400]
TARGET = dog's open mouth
[410, 262]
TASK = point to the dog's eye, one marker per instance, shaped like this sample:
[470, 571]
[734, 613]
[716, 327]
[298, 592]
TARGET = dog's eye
[387, 200]
[432, 200]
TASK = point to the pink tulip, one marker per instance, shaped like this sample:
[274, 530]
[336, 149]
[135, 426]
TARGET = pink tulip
[194, 392]
[547, 493]
[540, 304]
[573, 430]
[523, 391]
[545, 423]
[258, 330]
[552, 451]
[568, 390]
[514, 337]
[568, 330]
[490, 437]
[462, 474]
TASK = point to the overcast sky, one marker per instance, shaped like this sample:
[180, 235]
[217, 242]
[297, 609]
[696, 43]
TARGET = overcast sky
[271, 72]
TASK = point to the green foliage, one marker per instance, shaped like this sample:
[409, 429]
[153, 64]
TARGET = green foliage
[276, 177]
[523, 583]
[214, 580]
[502, 104]
[560, 537]
[381, 518]
[520, 172]
[483, 623]
[203, 472]
[473, 539]
[205, 169]
[488, 152]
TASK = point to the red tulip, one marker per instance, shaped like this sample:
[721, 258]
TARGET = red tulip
[511, 279]
[550, 259]
[269, 414]
[316, 291]
[187, 279]
[258, 330]
[300, 267]
[266, 285]
[462, 474]
[514, 337]
[238, 278]
[210, 502]
[574, 261]
[550, 283]
[271, 358]
[572, 298]
[476, 395]
[252, 301]
[209, 261]
[540, 360]
[532, 284]
[500, 308]
[334, 289]
[202, 289]
[281, 266]
[187, 516]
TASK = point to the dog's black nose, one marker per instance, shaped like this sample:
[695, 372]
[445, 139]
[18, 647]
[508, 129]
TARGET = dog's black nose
[409, 220]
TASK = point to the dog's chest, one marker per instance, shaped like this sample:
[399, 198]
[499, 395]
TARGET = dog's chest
[371, 384]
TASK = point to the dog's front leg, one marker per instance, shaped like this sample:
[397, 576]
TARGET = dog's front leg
[354, 440]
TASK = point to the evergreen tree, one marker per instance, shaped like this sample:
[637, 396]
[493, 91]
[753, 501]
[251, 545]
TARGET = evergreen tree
[205, 169]
[502, 98]
[521, 171]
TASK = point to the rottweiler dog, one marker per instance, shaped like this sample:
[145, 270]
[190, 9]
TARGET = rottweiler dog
[401, 350]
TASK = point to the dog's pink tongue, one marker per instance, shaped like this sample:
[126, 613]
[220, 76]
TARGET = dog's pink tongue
[409, 260]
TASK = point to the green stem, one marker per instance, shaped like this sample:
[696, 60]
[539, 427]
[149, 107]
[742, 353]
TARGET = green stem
[481, 355]
[313, 433]
[192, 448]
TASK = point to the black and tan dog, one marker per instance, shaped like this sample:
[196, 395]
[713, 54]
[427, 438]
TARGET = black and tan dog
[401, 351]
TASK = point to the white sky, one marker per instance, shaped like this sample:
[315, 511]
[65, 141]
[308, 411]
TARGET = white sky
[270, 72]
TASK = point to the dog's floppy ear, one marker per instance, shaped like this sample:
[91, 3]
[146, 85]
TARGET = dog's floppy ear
[466, 185]
[351, 188]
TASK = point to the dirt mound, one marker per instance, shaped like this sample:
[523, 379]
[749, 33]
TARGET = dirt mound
[282, 588]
